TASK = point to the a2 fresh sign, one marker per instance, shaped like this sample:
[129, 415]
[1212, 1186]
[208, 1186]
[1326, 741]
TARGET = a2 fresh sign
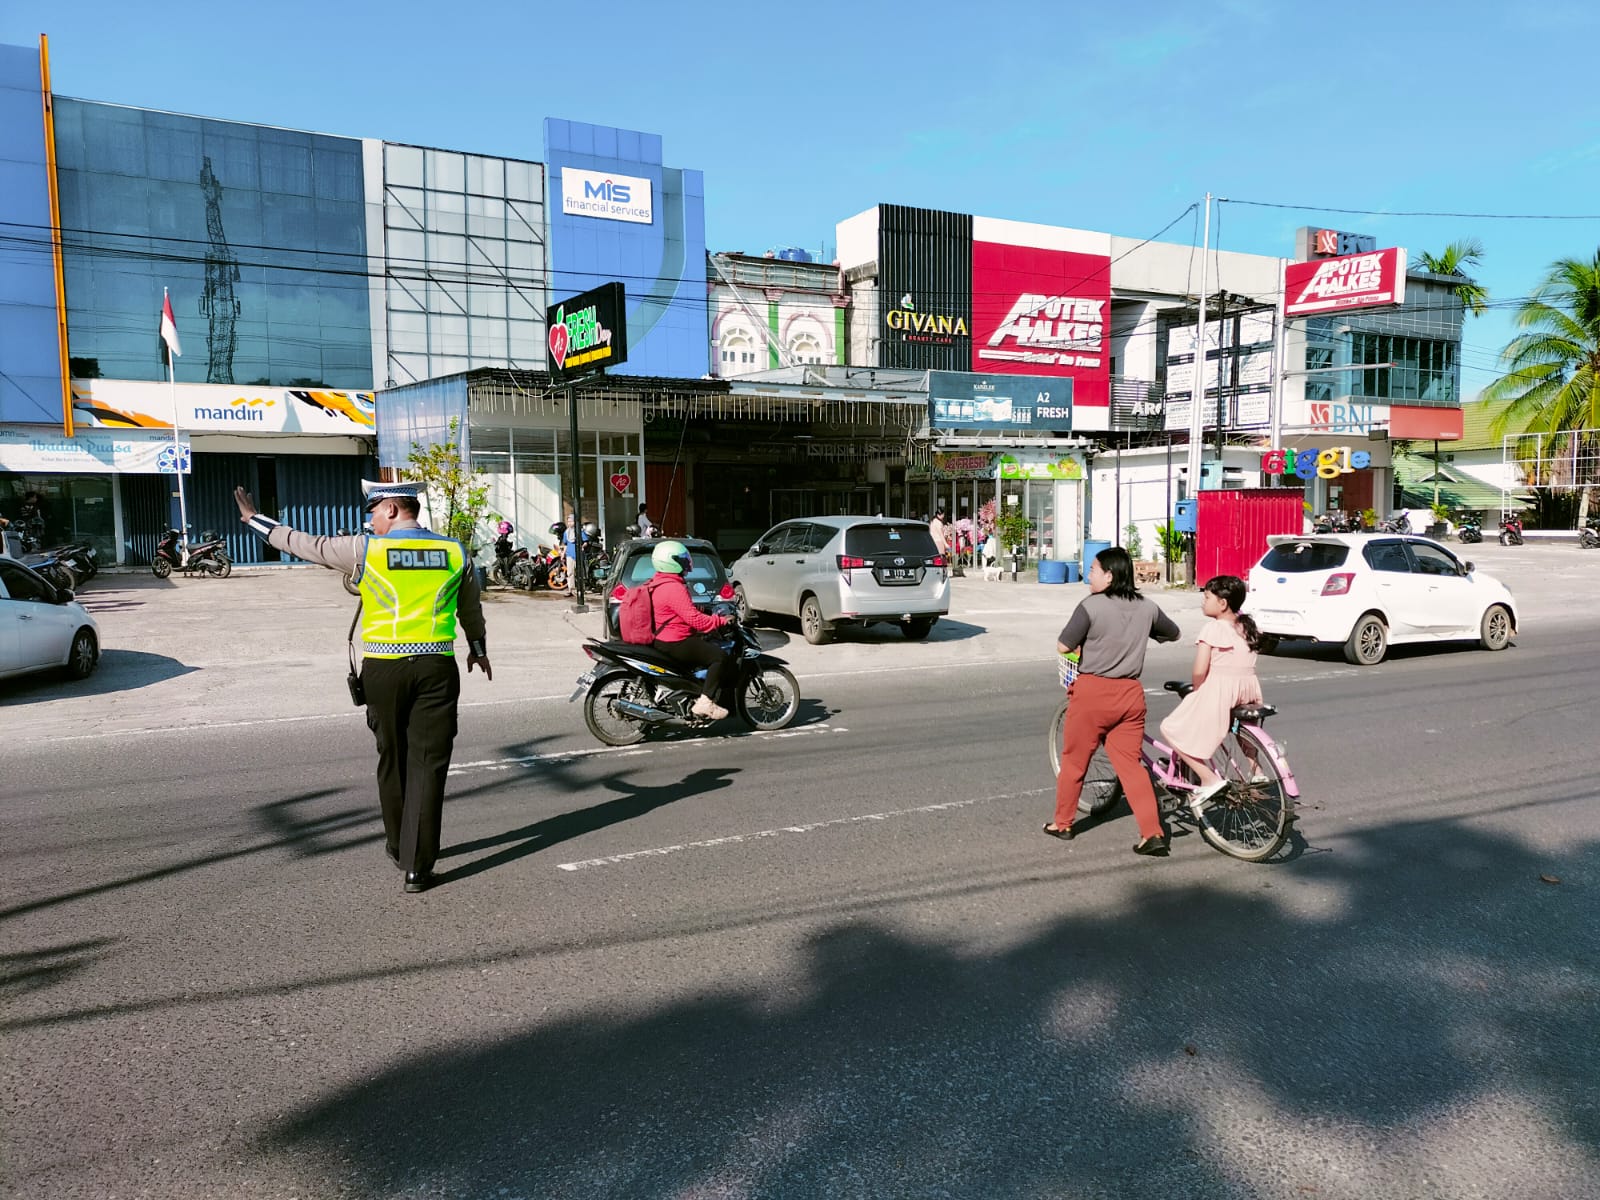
[588, 332]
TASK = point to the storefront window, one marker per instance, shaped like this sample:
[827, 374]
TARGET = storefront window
[74, 508]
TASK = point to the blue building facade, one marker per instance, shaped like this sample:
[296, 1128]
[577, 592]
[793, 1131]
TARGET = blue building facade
[616, 213]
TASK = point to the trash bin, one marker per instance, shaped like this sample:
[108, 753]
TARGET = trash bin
[1072, 572]
[1090, 549]
[1052, 571]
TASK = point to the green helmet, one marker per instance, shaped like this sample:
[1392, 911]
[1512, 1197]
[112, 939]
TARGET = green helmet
[671, 557]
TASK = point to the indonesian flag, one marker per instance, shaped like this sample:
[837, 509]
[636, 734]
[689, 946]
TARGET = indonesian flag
[169, 329]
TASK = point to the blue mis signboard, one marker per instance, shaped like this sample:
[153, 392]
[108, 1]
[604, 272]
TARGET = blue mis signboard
[616, 213]
[964, 400]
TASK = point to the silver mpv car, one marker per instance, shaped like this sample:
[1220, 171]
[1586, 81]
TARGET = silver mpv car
[832, 571]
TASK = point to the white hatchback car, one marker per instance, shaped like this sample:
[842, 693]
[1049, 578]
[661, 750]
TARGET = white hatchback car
[1373, 591]
[42, 627]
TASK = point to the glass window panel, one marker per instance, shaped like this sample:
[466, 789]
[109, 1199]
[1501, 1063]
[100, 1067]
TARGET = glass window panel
[521, 260]
[402, 166]
[523, 221]
[173, 153]
[487, 227]
[447, 335]
[450, 366]
[446, 296]
[285, 168]
[114, 141]
[521, 304]
[493, 180]
[409, 368]
[404, 206]
[522, 181]
[443, 202]
[446, 171]
[406, 248]
[486, 301]
[527, 341]
[447, 251]
[447, 221]
[337, 167]
[489, 341]
[485, 257]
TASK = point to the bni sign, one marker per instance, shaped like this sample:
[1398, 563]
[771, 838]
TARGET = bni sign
[606, 196]
[967, 400]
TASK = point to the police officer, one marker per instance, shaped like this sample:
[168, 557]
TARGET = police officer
[414, 585]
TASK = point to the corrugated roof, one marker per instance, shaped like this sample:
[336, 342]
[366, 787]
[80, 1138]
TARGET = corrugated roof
[1414, 473]
[1476, 416]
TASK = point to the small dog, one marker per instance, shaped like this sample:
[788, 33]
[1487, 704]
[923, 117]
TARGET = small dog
[991, 571]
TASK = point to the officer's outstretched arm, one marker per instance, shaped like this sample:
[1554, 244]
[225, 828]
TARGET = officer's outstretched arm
[343, 554]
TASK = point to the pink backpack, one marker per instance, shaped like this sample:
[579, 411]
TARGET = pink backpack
[636, 617]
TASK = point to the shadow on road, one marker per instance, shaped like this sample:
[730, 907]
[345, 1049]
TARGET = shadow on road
[119, 671]
[632, 801]
[1410, 1052]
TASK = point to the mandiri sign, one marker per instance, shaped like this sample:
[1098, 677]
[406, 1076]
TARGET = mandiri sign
[1325, 285]
[588, 332]
[966, 400]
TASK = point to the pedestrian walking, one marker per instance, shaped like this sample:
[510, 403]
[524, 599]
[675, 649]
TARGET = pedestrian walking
[415, 586]
[1110, 628]
[936, 528]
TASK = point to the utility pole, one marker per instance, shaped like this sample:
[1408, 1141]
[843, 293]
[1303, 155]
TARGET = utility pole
[1197, 399]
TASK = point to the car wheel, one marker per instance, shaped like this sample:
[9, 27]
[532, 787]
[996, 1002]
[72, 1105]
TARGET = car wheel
[812, 625]
[1368, 642]
[917, 628]
[741, 604]
[85, 655]
[1494, 633]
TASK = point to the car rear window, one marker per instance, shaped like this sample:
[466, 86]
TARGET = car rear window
[863, 540]
[702, 567]
[1290, 557]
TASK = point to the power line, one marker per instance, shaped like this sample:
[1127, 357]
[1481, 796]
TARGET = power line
[1460, 216]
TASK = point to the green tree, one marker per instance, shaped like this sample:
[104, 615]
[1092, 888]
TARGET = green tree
[1457, 257]
[456, 492]
[1551, 383]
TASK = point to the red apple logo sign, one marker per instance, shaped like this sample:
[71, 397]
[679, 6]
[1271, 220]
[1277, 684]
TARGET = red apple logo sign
[558, 339]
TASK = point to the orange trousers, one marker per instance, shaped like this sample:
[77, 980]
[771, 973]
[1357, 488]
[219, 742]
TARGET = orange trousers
[1109, 711]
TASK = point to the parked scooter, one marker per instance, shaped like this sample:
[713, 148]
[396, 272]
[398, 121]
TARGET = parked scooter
[1589, 535]
[1511, 530]
[56, 569]
[1399, 523]
[207, 557]
[1469, 529]
[508, 560]
[634, 689]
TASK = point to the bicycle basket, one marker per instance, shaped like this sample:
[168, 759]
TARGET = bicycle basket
[1067, 668]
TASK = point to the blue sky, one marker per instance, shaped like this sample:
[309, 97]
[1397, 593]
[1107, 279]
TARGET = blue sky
[1105, 116]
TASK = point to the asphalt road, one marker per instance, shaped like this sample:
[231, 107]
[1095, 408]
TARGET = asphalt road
[836, 961]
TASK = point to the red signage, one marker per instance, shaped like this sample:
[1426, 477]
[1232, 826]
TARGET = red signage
[1043, 312]
[1415, 421]
[1325, 285]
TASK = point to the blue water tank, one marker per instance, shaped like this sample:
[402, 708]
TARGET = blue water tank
[795, 254]
[1052, 571]
[1092, 547]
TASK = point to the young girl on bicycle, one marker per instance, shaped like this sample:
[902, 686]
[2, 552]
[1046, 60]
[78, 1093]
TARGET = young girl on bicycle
[1224, 675]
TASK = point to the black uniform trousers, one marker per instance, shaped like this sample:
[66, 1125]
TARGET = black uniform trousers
[411, 709]
[696, 651]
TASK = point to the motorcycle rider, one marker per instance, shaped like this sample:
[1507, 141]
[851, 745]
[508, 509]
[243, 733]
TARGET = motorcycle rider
[679, 625]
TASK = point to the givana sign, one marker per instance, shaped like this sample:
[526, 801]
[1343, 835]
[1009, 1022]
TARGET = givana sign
[606, 196]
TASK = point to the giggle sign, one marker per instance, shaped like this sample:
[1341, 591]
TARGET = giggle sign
[1329, 463]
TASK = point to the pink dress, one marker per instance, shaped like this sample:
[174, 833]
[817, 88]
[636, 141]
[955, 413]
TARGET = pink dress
[1200, 722]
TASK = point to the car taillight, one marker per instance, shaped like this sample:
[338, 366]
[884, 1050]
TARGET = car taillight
[1338, 585]
[726, 592]
[618, 592]
[936, 561]
[850, 562]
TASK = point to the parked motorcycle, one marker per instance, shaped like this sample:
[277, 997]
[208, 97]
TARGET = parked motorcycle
[1589, 535]
[1511, 530]
[1399, 523]
[1469, 529]
[632, 690]
[596, 562]
[56, 568]
[207, 557]
[507, 559]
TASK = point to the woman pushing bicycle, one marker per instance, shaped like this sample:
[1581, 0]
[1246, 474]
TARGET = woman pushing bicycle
[1110, 629]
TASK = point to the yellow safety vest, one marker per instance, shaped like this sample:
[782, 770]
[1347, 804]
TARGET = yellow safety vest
[410, 581]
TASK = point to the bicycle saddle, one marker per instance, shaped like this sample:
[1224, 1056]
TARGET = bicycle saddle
[1253, 714]
[1177, 685]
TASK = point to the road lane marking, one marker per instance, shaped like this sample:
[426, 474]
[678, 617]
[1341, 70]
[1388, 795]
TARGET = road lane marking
[554, 756]
[735, 839]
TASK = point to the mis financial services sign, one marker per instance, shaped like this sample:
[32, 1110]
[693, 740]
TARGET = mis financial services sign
[607, 196]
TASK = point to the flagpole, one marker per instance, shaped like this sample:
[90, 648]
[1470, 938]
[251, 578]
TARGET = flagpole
[177, 446]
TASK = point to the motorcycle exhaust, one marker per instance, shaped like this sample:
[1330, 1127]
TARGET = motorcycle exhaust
[642, 712]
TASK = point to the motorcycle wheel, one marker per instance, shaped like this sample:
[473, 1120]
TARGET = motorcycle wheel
[602, 718]
[557, 579]
[162, 568]
[223, 566]
[769, 699]
[350, 584]
[1590, 539]
[522, 575]
[1505, 540]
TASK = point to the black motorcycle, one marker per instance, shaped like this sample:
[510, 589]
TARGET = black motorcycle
[510, 564]
[1511, 530]
[1469, 530]
[1400, 523]
[634, 689]
[1589, 535]
[207, 557]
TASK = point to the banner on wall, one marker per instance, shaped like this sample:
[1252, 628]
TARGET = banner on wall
[90, 452]
[1052, 468]
[221, 408]
[1354, 281]
[1043, 312]
[965, 400]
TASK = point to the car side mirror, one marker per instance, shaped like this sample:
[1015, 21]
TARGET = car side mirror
[1469, 567]
[758, 548]
[64, 596]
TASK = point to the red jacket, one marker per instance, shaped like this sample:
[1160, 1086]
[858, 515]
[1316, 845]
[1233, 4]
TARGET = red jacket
[673, 613]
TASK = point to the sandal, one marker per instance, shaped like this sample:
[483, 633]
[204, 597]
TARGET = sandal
[1065, 833]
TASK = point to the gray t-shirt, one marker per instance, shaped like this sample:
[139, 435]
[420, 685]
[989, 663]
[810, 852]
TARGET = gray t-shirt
[1114, 634]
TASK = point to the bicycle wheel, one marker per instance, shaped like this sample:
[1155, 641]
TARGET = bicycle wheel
[1101, 787]
[1250, 818]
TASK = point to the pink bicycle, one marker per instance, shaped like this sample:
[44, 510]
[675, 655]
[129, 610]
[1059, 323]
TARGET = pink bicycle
[1249, 819]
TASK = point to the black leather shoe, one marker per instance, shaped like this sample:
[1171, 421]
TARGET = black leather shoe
[1153, 846]
[1065, 833]
[394, 857]
[418, 881]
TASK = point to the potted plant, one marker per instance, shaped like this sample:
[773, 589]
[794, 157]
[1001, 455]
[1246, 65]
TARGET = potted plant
[1441, 520]
[1013, 528]
[1369, 519]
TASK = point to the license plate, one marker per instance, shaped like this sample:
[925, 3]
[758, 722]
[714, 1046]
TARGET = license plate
[898, 574]
[581, 686]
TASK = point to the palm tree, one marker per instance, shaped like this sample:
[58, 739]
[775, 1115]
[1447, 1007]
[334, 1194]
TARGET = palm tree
[1552, 379]
[1468, 252]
